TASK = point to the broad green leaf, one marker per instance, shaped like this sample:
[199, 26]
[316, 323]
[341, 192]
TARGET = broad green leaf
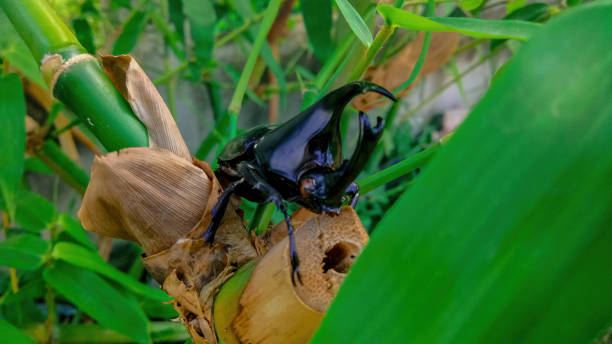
[356, 23]
[511, 29]
[73, 228]
[505, 237]
[99, 299]
[34, 212]
[11, 334]
[83, 32]
[470, 5]
[84, 258]
[24, 251]
[16, 52]
[12, 139]
[318, 21]
[31, 290]
[202, 18]
[132, 29]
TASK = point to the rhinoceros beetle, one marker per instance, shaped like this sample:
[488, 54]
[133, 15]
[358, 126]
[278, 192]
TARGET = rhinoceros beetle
[298, 161]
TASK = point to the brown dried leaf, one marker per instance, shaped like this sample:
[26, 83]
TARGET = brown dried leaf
[147, 195]
[392, 74]
[134, 85]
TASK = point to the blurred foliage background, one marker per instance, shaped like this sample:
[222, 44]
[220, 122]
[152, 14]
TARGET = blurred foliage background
[62, 284]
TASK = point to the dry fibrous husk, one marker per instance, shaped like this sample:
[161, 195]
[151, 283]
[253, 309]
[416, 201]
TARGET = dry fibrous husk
[272, 309]
[136, 87]
[392, 74]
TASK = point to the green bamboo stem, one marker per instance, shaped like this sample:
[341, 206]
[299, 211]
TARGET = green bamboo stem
[53, 156]
[84, 87]
[400, 169]
[261, 218]
[366, 60]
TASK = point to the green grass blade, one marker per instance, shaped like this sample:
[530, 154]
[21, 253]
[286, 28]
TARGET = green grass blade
[356, 23]
[12, 139]
[23, 251]
[100, 300]
[91, 260]
[132, 29]
[201, 16]
[511, 29]
[505, 237]
[318, 21]
[34, 212]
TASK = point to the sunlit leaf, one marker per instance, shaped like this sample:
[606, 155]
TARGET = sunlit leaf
[512, 29]
[99, 299]
[12, 139]
[356, 23]
[505, 237]
[73, 228]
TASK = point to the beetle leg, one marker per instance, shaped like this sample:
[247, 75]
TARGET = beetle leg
[295, 261]
[219, 210]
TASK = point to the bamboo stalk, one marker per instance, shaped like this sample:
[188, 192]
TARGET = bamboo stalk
[75, 78]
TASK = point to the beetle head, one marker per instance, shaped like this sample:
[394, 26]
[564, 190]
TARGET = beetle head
[315, 191]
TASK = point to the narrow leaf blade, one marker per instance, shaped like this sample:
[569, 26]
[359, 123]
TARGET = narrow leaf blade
[23, 252]
[34, 212]
[11, 334]
[99, 299]
[356, 23]
[511, 29]
[202, 17]
[84, 258]
[318, 21]
[12, 139]
[132, 29]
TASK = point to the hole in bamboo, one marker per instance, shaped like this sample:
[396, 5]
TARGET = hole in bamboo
[340, 257]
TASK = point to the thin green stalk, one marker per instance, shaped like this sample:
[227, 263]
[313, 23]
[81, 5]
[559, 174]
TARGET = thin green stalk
[261, 218]
[223, 40]
[447, 85]
[423, 2]
[52, 155]
[426, 41]
[236, 102]
[170, 73]
[381, 37]
[397, 170]
[334, 60]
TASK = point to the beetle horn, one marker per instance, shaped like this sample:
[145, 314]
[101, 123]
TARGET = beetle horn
[340, 97]
[368, 138]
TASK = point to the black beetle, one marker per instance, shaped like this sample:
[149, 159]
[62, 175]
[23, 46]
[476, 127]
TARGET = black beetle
[298, 161]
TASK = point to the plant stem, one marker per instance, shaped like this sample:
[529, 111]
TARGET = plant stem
[261, 218]
[221, 41]
[52, 155]
[397, 170]
[381, 37]
[236, 102]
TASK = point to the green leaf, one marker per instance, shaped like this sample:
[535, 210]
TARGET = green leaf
[73, 228]
[470, 5]
[83, 32]
[318, 21]
[82, 257]
[34, 212]
[23, 251]
[34, 164]
[16, 52]
[356, 23]
[202, 18]
[132, 29]
[11, 334]
[177, 17]
[532, 12]
[12, 139]
[99, 299]
[511, 29]
[506, 235]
